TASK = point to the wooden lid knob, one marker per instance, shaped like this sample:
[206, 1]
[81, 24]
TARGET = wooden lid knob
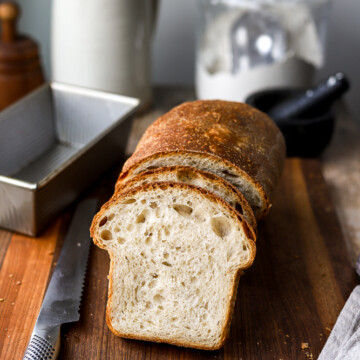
[9, 13]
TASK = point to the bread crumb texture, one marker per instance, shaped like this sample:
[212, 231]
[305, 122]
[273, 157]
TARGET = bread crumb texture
[176, 254]
[196, 177]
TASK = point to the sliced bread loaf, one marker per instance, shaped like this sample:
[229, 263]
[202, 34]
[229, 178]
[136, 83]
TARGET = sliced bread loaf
[176, 252]
[232, 140]
[190, 175]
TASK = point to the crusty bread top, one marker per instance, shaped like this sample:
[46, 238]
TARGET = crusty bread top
[191, 175]
[235, 132]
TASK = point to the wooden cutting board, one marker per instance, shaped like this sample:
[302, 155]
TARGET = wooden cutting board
[293, 293]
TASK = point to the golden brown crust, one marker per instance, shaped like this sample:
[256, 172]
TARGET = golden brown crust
[120, 196]
[233, 132]
[217, 180]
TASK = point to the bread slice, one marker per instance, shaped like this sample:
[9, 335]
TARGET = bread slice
[193, 176]
[232, 140]
[176, 253]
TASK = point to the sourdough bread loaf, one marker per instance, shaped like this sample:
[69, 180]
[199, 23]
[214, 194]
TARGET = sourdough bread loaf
[232, 140]
[193, 176]
[176, 252]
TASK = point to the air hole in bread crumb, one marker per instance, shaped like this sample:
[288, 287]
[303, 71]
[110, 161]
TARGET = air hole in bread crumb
[166, 255]
[184, 176]
[158, 298]
[153, 205]
[152, 283]
[174, 318]
[197, 292]
[158, 212]
[151, 167]
[129, 227]
[239, 208]
[111, 216]
[166, 263]
[183, 210]
[148, 241]
[227, 173]
[244, 247]
[193, 279]
[116, 229]
[160, 307]
[103, 221]
[182, 283]
[143, 201]
[220, 226]
[141, 217]
[178, 248]
[120, 240]
[148, 305]
[106, 235]
[128, 201]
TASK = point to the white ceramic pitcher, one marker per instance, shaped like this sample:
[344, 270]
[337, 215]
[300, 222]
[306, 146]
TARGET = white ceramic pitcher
[103, 45]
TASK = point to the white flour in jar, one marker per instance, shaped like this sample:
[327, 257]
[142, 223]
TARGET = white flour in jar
[215, 77]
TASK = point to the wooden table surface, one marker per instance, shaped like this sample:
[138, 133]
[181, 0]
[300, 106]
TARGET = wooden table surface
[292, 295]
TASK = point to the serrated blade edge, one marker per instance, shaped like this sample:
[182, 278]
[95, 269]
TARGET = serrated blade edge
[62, 300]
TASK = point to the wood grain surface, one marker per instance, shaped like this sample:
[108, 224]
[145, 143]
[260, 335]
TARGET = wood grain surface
[291, 295]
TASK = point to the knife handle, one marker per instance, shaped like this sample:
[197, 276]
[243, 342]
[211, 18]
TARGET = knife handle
[44, 343]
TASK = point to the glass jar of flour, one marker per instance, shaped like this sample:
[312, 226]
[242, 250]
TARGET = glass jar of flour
[248, 45]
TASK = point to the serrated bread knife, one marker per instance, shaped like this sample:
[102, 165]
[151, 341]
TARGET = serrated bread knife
[61, 303]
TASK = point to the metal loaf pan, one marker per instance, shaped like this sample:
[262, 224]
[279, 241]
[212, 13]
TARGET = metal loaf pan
[54, 143]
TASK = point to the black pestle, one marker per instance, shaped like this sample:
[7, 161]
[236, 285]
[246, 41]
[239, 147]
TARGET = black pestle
[306, 104]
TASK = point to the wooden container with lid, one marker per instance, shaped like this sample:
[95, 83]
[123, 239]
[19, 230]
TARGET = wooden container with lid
[20, 68]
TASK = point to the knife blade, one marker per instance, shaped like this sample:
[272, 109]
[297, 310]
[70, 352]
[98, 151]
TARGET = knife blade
[61, 303]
